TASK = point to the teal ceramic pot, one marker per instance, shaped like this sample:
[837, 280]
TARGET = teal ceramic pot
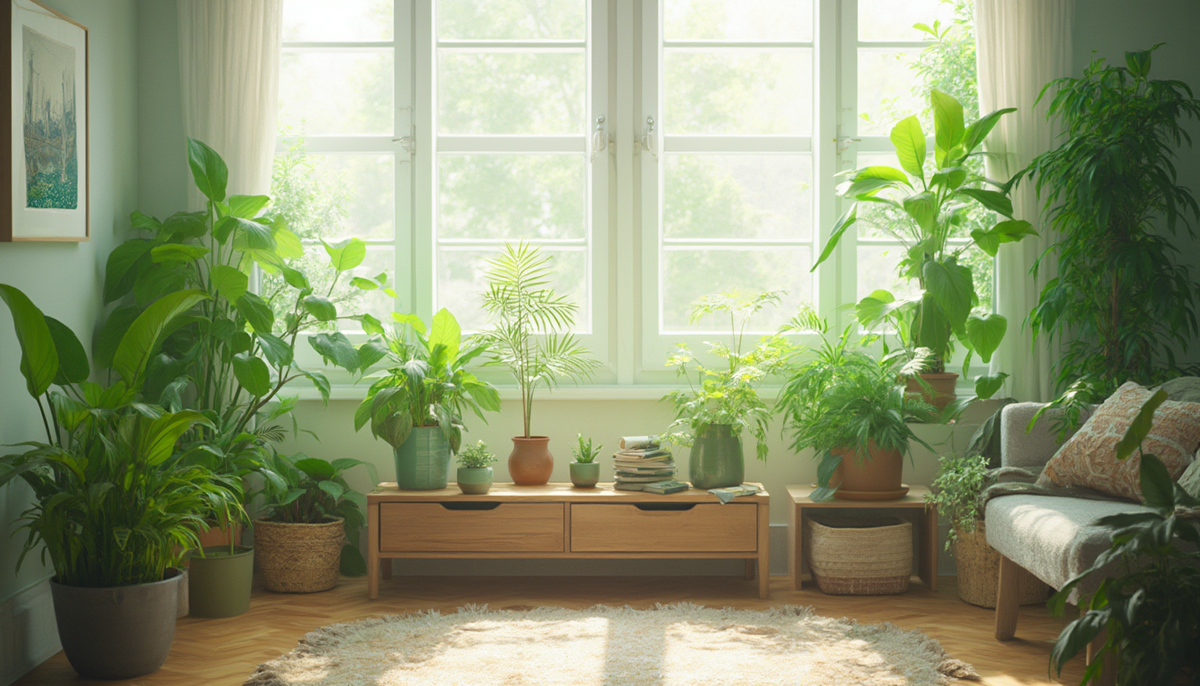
[585, 474]
[716, 460]
[423, 460]
[475, 480]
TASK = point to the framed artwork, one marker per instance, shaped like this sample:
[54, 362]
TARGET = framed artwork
[44, 187]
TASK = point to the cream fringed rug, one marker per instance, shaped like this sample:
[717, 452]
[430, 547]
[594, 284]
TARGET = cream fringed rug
[671, 645]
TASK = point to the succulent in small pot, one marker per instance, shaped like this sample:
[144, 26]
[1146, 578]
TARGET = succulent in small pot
[474, 469]
[585, 471]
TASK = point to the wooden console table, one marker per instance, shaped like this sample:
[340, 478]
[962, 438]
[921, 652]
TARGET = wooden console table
[927, 557]
[560, 521]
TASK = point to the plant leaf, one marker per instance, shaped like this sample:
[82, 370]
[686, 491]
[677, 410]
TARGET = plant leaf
[39, 360]
[1140, 427]
[146, 332]
[252, 373]
[987, 385]
[948, 126]
[73, 364]
[208, 170]
[230, 282]
[322, 309]
[256, 311]
[346, 255]
[909, 140]
[984, 333]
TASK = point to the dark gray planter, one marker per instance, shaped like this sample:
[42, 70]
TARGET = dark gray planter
[117, 633]
[219, 583]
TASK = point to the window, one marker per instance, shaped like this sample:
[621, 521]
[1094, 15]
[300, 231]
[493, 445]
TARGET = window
[698, 158]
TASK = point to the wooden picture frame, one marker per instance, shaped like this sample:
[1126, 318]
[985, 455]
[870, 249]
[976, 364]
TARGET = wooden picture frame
[45, 187]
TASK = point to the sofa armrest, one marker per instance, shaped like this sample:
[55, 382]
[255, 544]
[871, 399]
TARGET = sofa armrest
[1033, 449]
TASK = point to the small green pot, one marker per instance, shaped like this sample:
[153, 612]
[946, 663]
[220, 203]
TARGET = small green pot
[474, 480]
[585, 474]
[423, 460]
[716, 460]
[219, 583]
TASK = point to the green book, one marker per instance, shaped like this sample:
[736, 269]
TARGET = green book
[666, 487]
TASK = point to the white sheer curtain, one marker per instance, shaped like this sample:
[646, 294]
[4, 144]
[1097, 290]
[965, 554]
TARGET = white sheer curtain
[1021, 46]
[229, 70]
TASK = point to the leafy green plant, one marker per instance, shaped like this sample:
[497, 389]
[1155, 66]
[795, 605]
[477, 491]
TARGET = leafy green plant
[928, 209]
[583, 451]
[527, 319]
[299, 489]
[115, 502]
[844, 399]
[1149, 610]
[429, 384]
[476, 456]
[1122, 304]
[727, 395]
[956, 490]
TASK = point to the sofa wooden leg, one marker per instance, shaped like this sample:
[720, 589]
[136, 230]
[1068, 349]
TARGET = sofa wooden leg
[1108, 674]
[1008, 598]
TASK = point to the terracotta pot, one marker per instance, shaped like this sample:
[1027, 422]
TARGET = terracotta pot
[979, 571]
[943, 389]
[530, 463]
[878, 477]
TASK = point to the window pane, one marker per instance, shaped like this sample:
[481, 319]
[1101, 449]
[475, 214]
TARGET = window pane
[351, 20]
[885, 92]
[512, 196]
[511, 92]
[689, 273]
[738, 196]
[336, 196]
[877, 270]
[336, 92]
[511, 19]
[461, 283]
[349, 299]
[738, 20]
[894, 19]
[738, 91]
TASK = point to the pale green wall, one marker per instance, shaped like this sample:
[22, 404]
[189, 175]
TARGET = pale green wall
[65, 279]
[162, 164]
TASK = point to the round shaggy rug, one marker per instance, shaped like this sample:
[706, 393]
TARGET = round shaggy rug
[670, 645]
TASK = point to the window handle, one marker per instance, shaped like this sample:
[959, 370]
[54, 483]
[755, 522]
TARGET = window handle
[409, 142]
[650, 140]
[599, 138]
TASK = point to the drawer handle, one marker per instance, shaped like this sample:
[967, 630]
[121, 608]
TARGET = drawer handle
[664, 507]
[477, 506]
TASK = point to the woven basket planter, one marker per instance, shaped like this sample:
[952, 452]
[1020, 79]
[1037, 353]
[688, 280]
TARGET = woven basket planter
[860, 556]
[979, 571]
[299, 558]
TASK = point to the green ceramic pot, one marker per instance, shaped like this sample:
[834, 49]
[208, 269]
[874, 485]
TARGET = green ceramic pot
[716, 460]
[474, 480]
[219, 583]
[585, 474]
[423, 460]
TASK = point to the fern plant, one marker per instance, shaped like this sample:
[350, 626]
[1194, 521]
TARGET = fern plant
[530, 321]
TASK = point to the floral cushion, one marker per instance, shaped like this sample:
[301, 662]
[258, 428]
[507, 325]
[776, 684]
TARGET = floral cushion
[1089, 458]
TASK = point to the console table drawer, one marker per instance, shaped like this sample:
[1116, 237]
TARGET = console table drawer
[700, 528]
[500, 528]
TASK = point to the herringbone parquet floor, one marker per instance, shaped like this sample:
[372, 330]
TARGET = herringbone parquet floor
[225, 651]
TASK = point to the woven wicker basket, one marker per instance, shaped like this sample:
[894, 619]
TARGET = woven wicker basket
[299, 558]
[979, 571]
[860, 556]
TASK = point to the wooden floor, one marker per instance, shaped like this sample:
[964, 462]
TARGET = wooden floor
[225, 651]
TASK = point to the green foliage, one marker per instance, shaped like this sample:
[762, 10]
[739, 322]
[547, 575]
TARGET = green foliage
[957, 487]
[583, 451]
[1122, 305]
[476, 456]
[527, 317]
[843, 399]
[115, 502]
[727, 395]
[429, 384]
[926, 210]
[299, 489]
[1149, 610]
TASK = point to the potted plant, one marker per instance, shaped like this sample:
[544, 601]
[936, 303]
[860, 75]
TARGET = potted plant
[417, 404]
[475, 469]
[722, 402]
[115, 503]
[923, 211]
[526, 336]
[851, 410]
[957, 489]
[585, 471]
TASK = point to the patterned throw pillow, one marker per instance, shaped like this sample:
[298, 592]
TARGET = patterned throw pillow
[1089, 458]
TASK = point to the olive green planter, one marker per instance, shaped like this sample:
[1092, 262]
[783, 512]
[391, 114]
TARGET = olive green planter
[423, 460]
[219, 583]
[716, 460]
[475, 480]
[585, 474]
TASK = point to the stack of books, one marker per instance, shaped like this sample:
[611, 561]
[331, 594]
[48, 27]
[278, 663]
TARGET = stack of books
[641, 461]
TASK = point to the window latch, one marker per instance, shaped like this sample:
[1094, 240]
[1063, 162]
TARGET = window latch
[650, 140]
[599, 138]
[409, 142]
[843, 143]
